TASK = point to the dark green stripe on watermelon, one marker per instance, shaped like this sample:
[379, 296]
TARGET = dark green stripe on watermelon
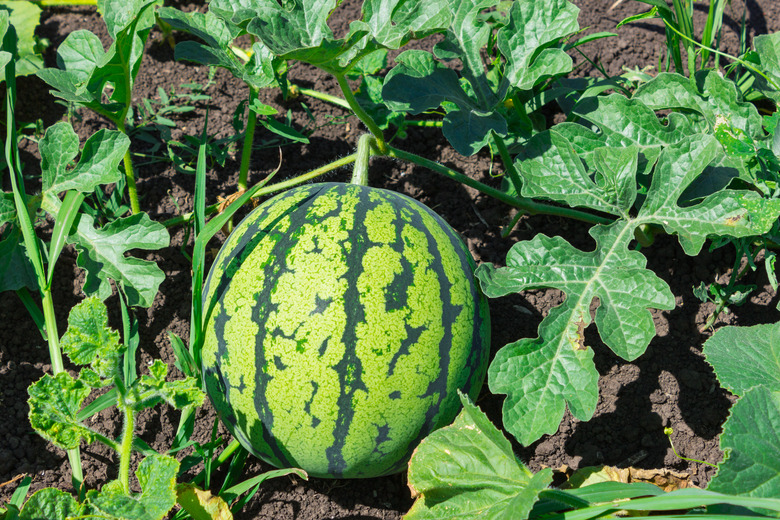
[316, 381]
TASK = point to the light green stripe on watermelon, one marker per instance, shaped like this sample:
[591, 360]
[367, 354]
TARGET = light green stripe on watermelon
[344, 319]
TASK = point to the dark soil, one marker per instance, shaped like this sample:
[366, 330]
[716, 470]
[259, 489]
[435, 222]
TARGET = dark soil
[670, 385]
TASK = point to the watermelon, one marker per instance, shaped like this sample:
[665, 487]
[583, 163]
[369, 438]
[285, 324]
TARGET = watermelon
[341, 321]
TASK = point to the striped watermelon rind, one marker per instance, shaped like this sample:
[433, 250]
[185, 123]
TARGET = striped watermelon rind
[341, 321]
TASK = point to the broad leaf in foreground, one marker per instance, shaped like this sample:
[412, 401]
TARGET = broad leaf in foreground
[468, 470]
[540, 376]
[51, 504]
[102, 255]
[746, 361]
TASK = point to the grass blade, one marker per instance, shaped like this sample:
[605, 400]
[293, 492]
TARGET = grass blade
[66, 215]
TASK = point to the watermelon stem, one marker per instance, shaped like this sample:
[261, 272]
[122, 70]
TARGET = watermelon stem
[528, 206]
[360, 169]
[361, 114]
[273, 188]
[249, 135]
[126, 449]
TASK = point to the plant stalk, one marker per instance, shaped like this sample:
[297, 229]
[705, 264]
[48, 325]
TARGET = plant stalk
[126, 449]
[360, 170]
[366, 119]
[508, 164]
[279, 186]
[249, 136]
[132, 191]
[527, 205]
[322, 96]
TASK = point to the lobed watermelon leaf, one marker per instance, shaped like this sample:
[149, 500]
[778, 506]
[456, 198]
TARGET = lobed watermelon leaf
[218, 35]
[102, 255]
[472, 101]
[85, 69]
[541, 375]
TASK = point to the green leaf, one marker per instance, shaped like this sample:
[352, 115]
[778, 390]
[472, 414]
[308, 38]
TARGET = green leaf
[16, 270]
[758, 351]
[724, 213]
[51, 504]
[296, 30]
[552, 169]
[768, 51]
[102, 255]
[751, 442]
[157, 477]
[119, 15]
[89, 341]
[85, 69]
[54, 403]
[151, 389]
[551, 20]
[707, 94]
[541, 376]
[25, 17]
[202, 505]
[98, 164]
[468, 470]
[419, 83]
[472, 101]
[393, 23]
[218, 35]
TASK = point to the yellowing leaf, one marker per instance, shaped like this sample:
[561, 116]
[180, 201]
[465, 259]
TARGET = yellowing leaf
[202, 505]
[666, 479]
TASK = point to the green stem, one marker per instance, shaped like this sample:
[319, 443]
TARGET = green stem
[508, 164]
[126, 449]
[371, 125]
[360, 171]
[527, 205]
[669, 432]
[249, 136]
[322, 96]
[127, 160]
[51, 332]
[229, 450]
[32, 246]
[279, 186]
[57, 366]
